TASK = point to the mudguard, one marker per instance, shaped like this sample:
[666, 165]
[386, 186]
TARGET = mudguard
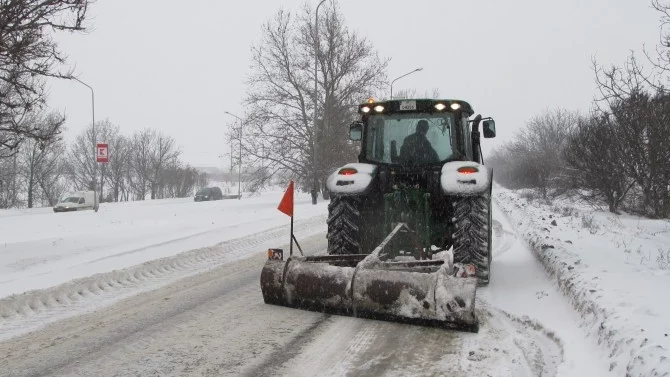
[351, 183]
[467, 183]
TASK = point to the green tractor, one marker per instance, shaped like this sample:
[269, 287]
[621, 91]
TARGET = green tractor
[421, 164]
[419, 190]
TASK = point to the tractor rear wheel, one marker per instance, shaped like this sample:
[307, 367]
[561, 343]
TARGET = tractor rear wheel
[351, 228]
[472, 234]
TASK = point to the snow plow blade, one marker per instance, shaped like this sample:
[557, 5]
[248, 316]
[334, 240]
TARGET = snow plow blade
[424, 292]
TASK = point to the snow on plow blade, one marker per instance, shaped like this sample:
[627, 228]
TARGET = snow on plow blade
[423, 292]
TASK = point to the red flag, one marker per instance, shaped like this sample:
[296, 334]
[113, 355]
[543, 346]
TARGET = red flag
[286, 204]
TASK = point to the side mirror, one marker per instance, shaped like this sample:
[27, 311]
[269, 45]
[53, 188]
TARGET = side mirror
[81, 200]
[489, 127]
[356, 131]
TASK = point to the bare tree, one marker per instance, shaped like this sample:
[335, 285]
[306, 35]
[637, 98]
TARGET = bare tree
[643, 126]
[546, 135]
[637, 104]
[279, 128]
[152, 153]
[513, 167]
[41, 163]
[594, 163]
[9, 182]
[616, 83]
[534, 157]
[179, 182]
[51, 176]
[141, 163]
[635, 100]
[164, 153]
[118, 167]
[660, 58]
[28, 54]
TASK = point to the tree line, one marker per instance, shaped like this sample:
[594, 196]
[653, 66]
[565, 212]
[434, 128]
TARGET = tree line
[618, 155]
[290, 129]
[36, 166]
[143, 165]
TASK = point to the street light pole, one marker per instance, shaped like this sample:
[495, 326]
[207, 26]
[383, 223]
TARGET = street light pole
[398, 78]
[239, 167]
[95, 145]
[316, 96]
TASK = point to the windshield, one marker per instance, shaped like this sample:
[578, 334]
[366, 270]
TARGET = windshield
[203, 192]
[71, 199]
[410, 139]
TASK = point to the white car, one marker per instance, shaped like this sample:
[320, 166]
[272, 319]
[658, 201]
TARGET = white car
[78, 201]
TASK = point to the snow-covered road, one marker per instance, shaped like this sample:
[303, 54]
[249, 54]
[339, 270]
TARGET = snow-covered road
[215, 323]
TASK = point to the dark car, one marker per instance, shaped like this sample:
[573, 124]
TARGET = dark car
[208, 193]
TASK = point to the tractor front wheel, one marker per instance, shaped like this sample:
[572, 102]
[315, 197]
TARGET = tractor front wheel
[472, 234]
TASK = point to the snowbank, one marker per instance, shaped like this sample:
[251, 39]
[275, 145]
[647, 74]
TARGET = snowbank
[614, 271]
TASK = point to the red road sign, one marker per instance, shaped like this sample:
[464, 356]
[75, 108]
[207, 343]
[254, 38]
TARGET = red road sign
[102, 154]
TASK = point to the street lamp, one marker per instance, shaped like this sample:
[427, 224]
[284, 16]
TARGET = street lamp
[316, 96]
[398, 78]
[95, 146]
[239, 167]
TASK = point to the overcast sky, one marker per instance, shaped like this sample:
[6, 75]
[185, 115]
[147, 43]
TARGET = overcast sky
[178, 65]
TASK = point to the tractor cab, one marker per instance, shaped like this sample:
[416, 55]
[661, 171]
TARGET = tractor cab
[418, 132]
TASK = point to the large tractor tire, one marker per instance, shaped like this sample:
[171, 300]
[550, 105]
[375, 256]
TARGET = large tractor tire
[345, 222]
[351, 226]
[472, 221]
[345, 219]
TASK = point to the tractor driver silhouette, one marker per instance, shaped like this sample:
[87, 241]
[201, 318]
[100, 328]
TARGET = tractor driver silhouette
[416, 149]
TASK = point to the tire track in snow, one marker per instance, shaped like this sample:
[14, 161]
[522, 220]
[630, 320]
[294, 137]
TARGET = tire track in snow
[29, 311]
[543, 349]
[289, 350]
[503, 239]
[506, 346]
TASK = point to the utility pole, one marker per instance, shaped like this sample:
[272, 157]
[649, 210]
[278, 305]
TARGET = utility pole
[95, 139]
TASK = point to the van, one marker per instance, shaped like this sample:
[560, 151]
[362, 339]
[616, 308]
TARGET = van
[78, 201]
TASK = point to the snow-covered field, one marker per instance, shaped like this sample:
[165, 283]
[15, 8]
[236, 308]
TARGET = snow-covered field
[170, 287]
[615, 270]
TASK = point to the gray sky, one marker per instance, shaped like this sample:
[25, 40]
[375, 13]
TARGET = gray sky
[178, 65]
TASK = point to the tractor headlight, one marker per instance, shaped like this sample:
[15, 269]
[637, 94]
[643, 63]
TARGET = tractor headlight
[379, 108]
[365, 109]
[455, 106]
[440, 106]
